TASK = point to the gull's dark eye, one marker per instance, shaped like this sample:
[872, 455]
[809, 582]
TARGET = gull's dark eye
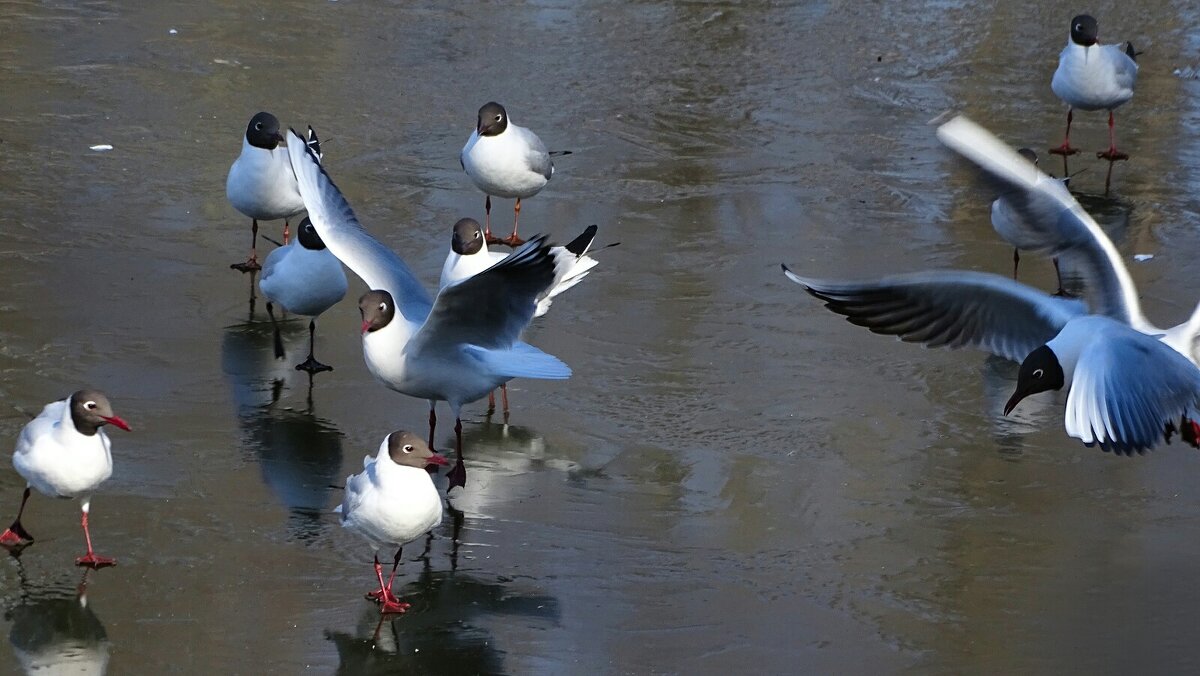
[499, 117]
[407, 448]
[258, 125]
[90, 405]
[383, 307]
[1038, 373]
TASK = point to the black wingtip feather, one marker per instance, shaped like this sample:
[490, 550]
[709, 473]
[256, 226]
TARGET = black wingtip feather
[580, 244]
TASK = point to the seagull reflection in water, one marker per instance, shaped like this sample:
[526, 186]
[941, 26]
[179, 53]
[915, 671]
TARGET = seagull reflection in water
[55, 631]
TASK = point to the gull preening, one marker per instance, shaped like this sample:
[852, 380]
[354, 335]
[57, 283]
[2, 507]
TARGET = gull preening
[392, 502]
[64, 453]
[455, 348]
[1131, 385]
[505, 160]
[306, 279]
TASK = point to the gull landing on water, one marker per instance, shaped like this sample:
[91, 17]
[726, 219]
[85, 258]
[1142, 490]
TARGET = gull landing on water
[455, 348]
[64, 453]
[1131, 385]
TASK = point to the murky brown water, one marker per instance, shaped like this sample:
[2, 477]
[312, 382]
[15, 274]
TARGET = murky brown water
[734, 479]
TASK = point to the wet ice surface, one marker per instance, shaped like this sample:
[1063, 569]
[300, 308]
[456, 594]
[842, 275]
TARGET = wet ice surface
[734, 476]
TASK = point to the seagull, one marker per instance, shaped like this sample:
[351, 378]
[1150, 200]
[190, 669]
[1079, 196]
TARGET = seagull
[1091, 76]
[505, 160]
[1053, 222]
[469, 256]
[63, 453]
[1129, 382]
[1012, 228]
[455, 348]
[260, 182]
[392, 502]
[306, 279]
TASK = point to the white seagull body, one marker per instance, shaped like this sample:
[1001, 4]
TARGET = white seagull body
[304, 281]
[1094, 77]
[59, 461]
[390, 504]
[511, 164]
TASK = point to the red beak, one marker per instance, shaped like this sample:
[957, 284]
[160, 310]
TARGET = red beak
[366, 327]
[116, 421]
[437, 459]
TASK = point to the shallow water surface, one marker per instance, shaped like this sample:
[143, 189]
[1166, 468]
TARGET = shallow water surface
[733, 476]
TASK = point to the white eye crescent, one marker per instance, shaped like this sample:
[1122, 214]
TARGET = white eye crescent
[1038, 373]
[383, 307]
[90, 405]
[499, 117]
[258, 125]
[407, 448]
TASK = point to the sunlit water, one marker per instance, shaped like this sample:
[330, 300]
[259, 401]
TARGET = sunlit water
[735, 480]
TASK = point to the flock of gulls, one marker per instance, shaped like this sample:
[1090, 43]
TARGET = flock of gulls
[1130, 383]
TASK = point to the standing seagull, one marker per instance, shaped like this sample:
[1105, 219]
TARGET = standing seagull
[1091, 76]
[306, 279]
[64, 454]
[456, 348]
[392, 502]
[1009, 222]
[261, 184]
[507, 161]
[469, 256]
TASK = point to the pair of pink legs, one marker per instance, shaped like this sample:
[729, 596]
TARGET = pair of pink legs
[1112, 154]
[388, 603]
[512, 240]
[17, 536]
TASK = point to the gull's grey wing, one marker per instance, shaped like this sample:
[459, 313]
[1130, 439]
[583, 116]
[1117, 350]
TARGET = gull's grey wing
[492, 308]
[369, 258]
[952, 308]
[537, 158]
[1053, 221]
[1127, 389]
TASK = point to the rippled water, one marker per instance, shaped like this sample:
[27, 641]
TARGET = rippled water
[734, 479]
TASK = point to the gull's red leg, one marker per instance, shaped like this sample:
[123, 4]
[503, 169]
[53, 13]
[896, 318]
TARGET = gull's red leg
[16, 533]
[91, 559]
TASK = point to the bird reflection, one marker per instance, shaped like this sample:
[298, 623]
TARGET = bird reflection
[55, 631]
[440, 633]
[1034, 413]
[499, 450]
[299, 453]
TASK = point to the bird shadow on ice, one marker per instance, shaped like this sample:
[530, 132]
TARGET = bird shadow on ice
[54, 629]
[298, 452]
[445, 630]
